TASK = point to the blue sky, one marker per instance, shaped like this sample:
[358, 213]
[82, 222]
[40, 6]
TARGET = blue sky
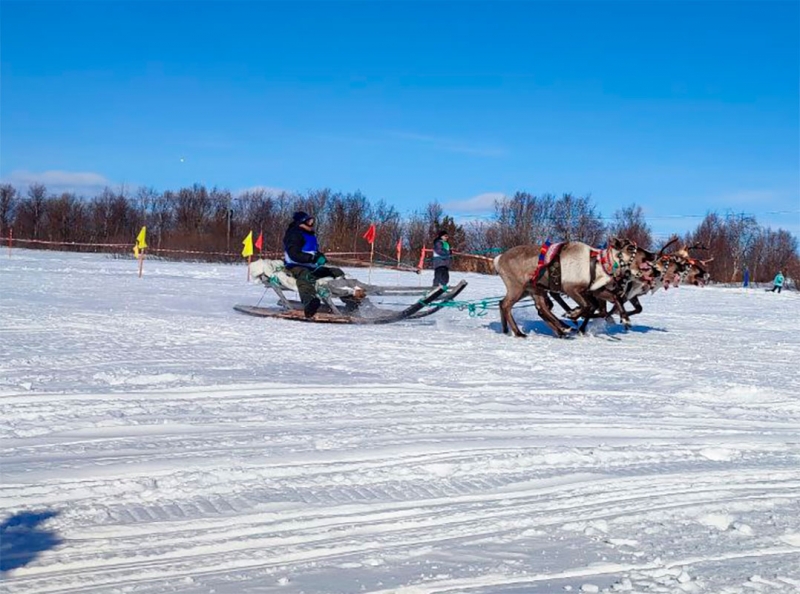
[682, 107]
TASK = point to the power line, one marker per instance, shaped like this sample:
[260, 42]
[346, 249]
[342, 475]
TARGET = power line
[493, 216]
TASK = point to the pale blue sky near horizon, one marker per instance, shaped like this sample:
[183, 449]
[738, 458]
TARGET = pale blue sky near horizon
[682, 107]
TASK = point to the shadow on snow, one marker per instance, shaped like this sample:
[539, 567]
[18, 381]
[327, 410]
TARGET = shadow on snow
[596, 327]
[22, 538]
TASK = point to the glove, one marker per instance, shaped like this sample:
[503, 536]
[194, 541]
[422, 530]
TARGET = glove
[321, 259]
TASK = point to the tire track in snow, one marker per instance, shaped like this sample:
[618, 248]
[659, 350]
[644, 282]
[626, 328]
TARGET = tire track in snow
[184, 459]
[420, 522]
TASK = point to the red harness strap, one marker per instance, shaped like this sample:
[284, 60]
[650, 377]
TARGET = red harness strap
[605, 259]
[541, 263]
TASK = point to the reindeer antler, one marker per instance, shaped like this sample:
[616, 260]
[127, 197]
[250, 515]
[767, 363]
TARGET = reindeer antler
[666, 245]
[697, 246]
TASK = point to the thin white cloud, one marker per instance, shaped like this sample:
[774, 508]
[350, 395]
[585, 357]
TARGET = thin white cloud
[59, 180]
[480, 203]
[268, 190]
[451, 145]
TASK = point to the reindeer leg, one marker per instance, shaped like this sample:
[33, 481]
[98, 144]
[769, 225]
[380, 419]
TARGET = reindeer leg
[607, 296]
[546, 313]
[623, 315]
[560, 300]
[506, 317]
[548, 302]
[637, 307]
[597, 307]
[503, 321]
[587, 306]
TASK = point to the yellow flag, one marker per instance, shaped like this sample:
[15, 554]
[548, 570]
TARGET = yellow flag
[136, 250]
[140, 239]
[248, 245]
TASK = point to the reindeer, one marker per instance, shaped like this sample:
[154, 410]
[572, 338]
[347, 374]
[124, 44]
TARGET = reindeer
[643, 273]
[670, 270]
[657, 267]
[579, 271]
[694, 271]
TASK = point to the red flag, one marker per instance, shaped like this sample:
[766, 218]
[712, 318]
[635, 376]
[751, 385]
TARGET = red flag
[260, 241]
[370, 234]
[399, 248]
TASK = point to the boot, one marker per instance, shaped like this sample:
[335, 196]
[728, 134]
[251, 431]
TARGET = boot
[311, 307]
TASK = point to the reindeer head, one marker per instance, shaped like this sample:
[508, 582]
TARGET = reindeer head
[684, 251]
[697, 272]
[692, 270]
[672, 270]
[643, 265]
[625, 252]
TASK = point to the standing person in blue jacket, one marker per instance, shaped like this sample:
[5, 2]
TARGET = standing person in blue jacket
[777, 284]
[305, 262]
[441, 259]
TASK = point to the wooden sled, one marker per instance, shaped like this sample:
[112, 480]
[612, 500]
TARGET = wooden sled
[354, 306]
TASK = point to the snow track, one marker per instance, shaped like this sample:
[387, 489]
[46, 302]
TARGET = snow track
[187, 449]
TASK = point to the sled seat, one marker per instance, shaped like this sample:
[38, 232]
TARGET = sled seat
[272, 273]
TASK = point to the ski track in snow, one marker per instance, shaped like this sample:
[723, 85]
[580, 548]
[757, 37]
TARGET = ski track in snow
[189, 449]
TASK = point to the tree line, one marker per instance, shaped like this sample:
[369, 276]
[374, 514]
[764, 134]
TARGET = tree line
[214, 220]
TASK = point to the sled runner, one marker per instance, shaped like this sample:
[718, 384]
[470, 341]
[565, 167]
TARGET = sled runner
[344, 300]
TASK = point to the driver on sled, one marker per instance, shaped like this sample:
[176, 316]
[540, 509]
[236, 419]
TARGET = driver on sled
[305, 262]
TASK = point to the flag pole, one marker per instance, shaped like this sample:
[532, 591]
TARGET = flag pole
[399, 251]
[421, 264]
[248, 268]
[141, 245]
[371, 256]
[10, 236]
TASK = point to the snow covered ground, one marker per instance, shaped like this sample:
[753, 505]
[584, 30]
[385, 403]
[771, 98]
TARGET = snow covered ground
[153, 441]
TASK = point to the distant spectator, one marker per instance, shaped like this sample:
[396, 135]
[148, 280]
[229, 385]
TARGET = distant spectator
[441, 259]
[778, 282]
[746, 281]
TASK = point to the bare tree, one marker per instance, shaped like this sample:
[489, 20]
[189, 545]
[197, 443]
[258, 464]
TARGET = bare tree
[8, 204]
[30, 213]
[143, 203]
[210, 220]
[388, 227]
[575, 219]
[433, 216]
[65, 218]
[629, 222]
[742, 233]
[192, 209]
[256, 210]
[416, 233]
[523, 219]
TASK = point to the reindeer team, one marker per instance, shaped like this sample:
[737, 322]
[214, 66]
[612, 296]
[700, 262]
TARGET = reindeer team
[617, 274]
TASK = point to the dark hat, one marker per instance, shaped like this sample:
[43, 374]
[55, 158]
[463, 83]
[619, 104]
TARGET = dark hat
[441, 233]
[301, 217]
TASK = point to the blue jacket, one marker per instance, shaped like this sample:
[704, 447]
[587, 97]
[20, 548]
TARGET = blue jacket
[300, 248]
[778, 280]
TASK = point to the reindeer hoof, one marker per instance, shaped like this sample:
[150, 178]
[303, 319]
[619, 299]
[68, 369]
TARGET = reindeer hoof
[521, 335]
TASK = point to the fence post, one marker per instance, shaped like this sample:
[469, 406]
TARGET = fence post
[10, 238]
